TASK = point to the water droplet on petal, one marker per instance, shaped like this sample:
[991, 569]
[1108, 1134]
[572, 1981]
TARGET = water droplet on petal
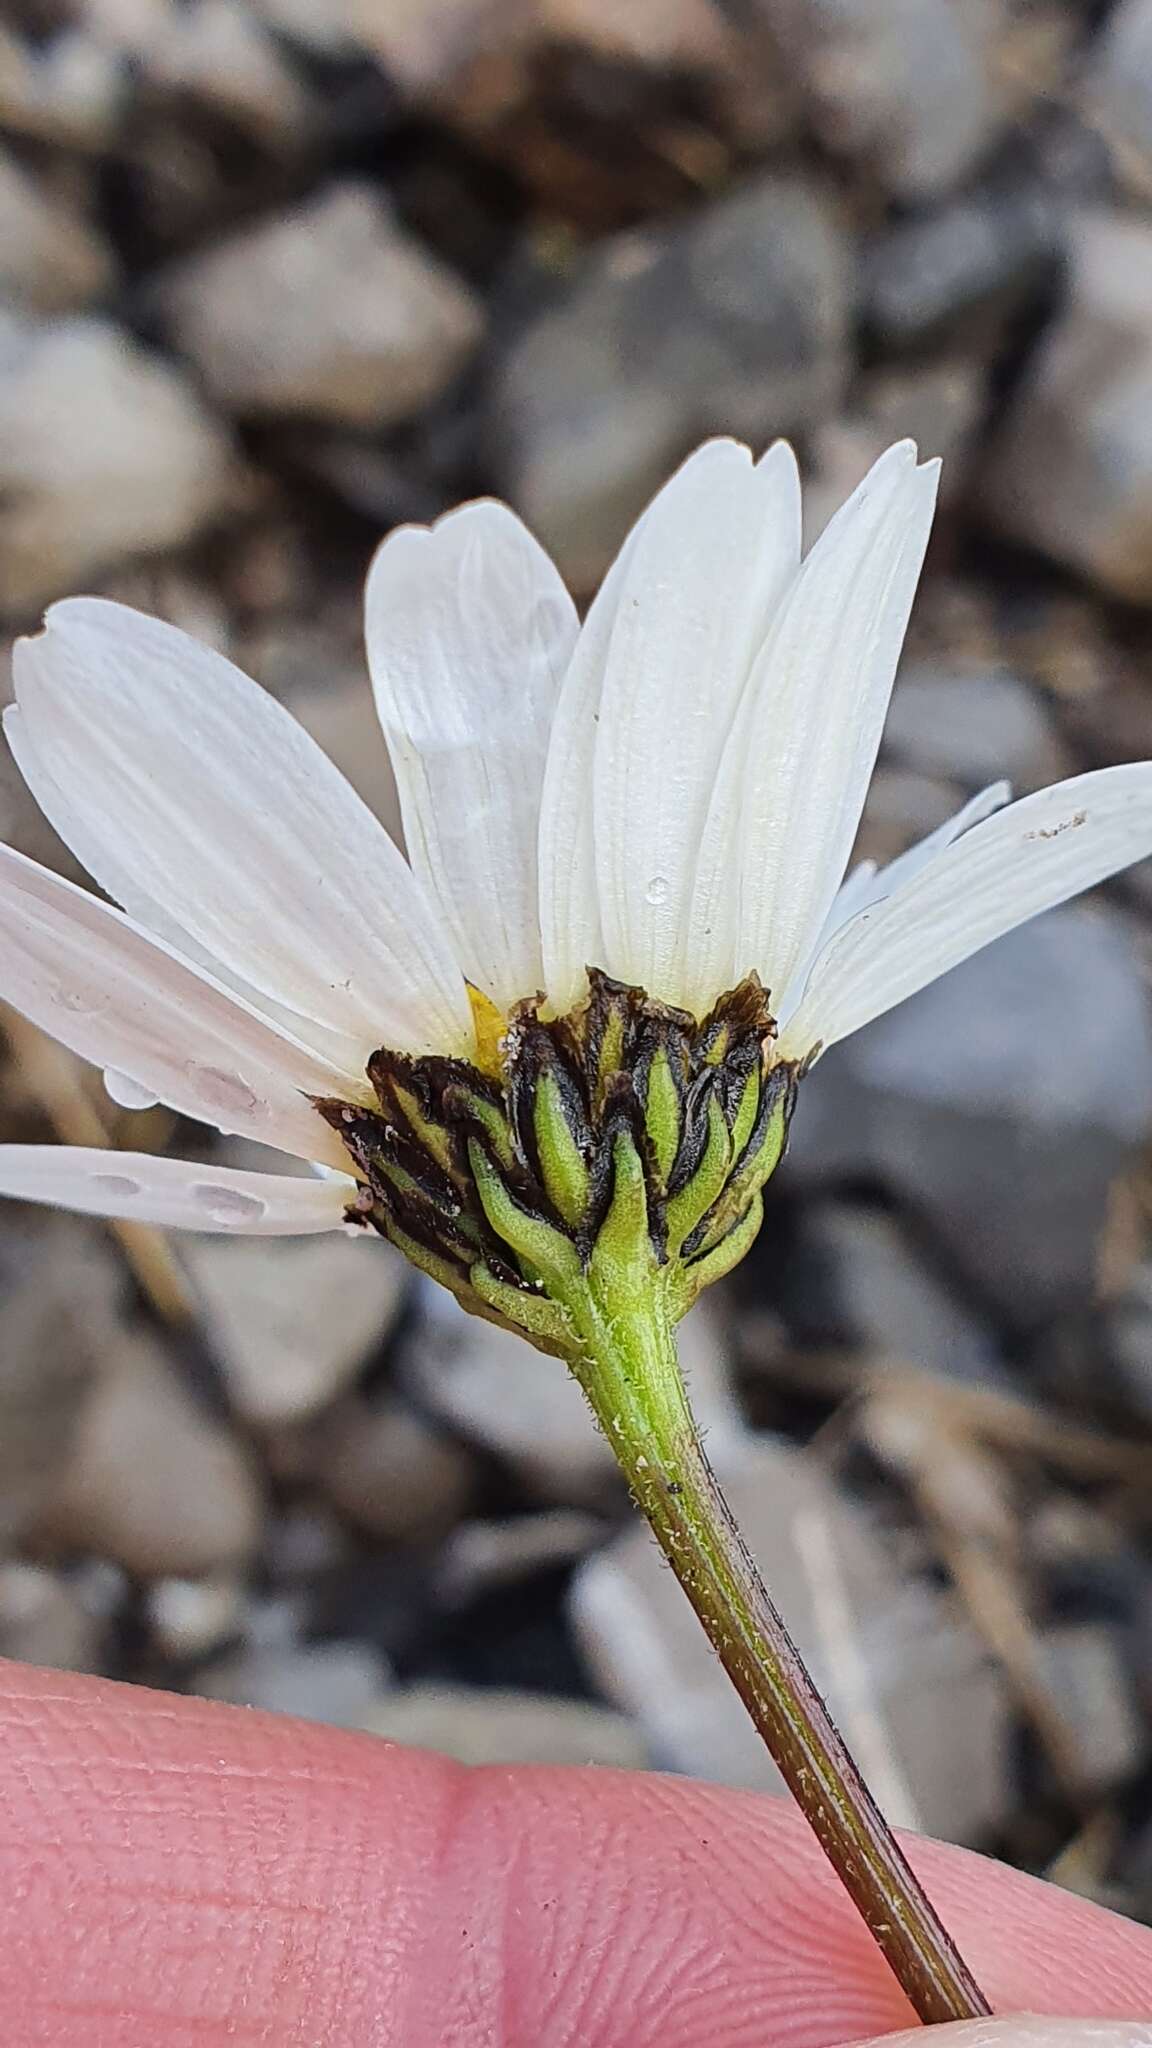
[77, 1002]
[127, 1093]
[224, 1095]
[120, 1185]
[657, 891]
[230, 1206]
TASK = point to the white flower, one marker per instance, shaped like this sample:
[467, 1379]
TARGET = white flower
[669, 793]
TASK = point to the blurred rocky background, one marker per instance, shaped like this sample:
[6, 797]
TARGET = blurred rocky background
[275, 274]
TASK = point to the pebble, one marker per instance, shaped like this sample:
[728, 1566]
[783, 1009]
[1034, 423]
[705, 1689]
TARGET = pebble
[106, 452]
[392, 1474]
[974, 723]
[336, 1683]
[60, 1302]
[44, 1622]
[1070, 471]
[963, 267]
[735, 322]
[904, 87]
[482, 1726]
[50, 259]
[331, 311]
[910, 1687]
[293, 1319]
[999, 1104]
[867, 1285]
[151, 1483]
[494, 1388]
[1116, 92]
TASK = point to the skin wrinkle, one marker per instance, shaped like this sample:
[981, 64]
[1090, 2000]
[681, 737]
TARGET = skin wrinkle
[335, 1892]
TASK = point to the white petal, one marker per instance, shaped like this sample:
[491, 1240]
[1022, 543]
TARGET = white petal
[469, 632]
[708, 565]
[868, 884]
[179, 769]
[792, 784]
[892, 877]
[136, 1187]
[96, 851]
[86, 974]
[1023, 860]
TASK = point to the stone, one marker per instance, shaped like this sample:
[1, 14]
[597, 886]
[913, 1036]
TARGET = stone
[337, 1683]
[479, 1557]
[939, 405]
[921, 1707]
[875, 1290]
[903, 807]
[191, 1618]
[294, 1321]
[973, 723]
[331, 311]
[477, 1725]
[903, 86]
[1000, 1104]
[392, 1474]
[50, 259]
[1116, 92]
[734, 322]
[426, 44]
[216, 53]
[151, 1482]
[69, 89]
[498, 1391]
[972, 262]
[106, 452]
[1070, 470]
[61, 1291]
[43, 1621]
[1084, 1664]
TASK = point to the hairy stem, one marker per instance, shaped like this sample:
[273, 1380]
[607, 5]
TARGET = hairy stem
[629, 1371]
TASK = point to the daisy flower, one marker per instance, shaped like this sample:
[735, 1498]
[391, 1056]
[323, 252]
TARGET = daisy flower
[623, 906]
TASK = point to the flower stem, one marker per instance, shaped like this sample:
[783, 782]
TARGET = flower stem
[630, 1373]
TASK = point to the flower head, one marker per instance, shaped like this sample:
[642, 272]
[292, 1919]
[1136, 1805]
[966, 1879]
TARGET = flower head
[622, 931]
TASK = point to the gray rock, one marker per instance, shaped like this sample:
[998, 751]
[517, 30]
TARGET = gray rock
[43, 1621]
[735, 322]
[479, 1556]
[293, 1321]
[904, 85]
[903, 806]
[938, 405]
[151, 1483]
[50, 259]
[1070, 471]
[191, 1618]
[215, 53]
[972, 723]
[489, 1727]
[491, 1386]
[105, 453]
[60, 1307]
[910, 1687]
[331, 311]
[1117, 92]
[975, 260]
[392, 1474]
[883, 1296]
[337, 1683]
[1000, 1103]
[1084, 1664]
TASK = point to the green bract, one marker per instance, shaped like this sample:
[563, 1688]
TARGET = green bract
[620, 1149]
